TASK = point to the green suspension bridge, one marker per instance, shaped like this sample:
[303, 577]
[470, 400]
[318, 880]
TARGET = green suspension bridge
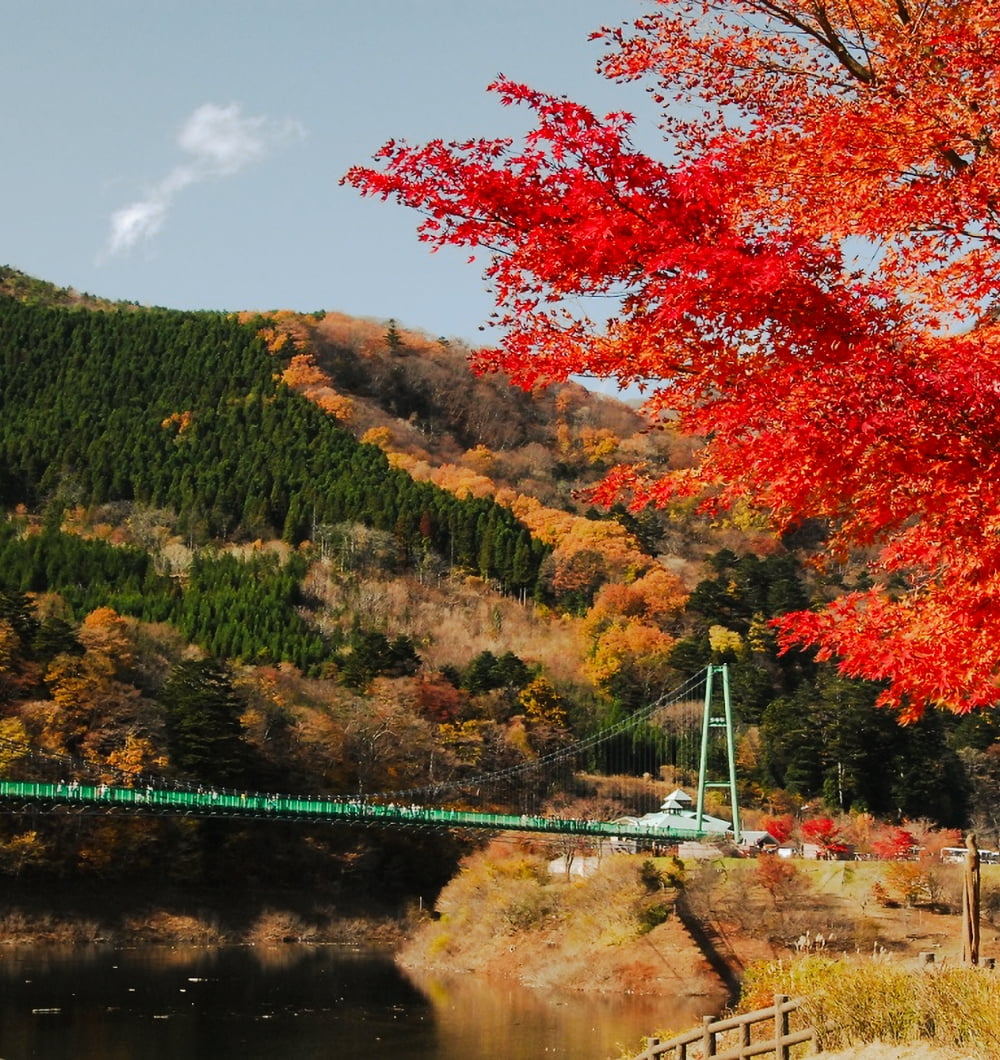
[429, 806]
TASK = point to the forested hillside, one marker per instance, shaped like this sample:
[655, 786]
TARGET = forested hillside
[306, 553]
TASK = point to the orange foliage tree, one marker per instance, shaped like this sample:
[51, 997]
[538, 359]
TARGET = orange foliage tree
[806, 282]
[629, 627]
[634, 648]
[608, 550]
[777, 876]
[95, 710]
[302, 371]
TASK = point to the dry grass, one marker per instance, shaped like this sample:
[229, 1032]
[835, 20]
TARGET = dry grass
[893, 1051]
[19, 928]
[191, 929]
[451, 619]
[467, 619]
[281, 926]
[70, 915]
[855, 1002]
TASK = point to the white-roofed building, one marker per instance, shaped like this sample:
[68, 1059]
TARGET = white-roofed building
[678, 812]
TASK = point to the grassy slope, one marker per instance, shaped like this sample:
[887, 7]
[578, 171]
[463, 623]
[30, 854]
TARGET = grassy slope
[836, 899]
[504, 916]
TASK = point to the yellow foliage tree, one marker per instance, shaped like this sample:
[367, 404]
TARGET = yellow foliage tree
[638, 647]
[179, 421]
[480, 459]
[379, 436]
[136, 756]
[15, 744]
[334, 404]
[722, 640]
[542, 703]
[20, 851]
[95, 709]
[598, 443]
[464, 739]
[461, 481]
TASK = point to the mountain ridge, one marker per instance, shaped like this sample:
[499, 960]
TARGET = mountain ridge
[348, 564]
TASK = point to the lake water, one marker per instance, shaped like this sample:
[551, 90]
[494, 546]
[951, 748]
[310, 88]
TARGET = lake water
[294, 1003]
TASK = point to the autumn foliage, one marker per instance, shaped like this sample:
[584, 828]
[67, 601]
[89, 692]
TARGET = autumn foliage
[805, 279]
[780, 827]
[897, 843]
[825, 833]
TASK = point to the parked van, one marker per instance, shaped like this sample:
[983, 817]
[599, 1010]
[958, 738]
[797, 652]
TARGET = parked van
[956, 856]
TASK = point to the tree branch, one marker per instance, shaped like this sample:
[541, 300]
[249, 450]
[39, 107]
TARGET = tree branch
[828, 38]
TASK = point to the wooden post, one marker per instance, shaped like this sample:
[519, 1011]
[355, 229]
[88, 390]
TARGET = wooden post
[970, 902]
[707, 1036]
[783, 1051]
[745, 1035]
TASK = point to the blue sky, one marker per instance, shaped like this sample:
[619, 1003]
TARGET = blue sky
[187, 153]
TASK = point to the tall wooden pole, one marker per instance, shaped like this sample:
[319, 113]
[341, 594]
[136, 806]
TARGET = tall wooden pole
[970, 902]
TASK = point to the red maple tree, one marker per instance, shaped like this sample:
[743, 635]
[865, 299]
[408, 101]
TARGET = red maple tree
[824, 832]
[806, 281]
[779, 827]
[894, 845]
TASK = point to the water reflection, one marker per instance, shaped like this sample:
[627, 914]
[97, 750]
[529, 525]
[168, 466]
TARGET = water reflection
[293, 1003]
[474, 1019]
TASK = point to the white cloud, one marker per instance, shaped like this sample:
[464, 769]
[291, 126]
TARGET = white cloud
[221, 142]
[140, 220]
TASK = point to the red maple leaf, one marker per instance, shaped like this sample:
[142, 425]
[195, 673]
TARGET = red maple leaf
[804, 280]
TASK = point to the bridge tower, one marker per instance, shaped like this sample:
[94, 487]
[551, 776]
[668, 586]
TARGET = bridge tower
[717, 716]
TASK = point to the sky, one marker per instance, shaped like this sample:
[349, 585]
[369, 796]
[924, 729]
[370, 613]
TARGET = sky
[188, 153]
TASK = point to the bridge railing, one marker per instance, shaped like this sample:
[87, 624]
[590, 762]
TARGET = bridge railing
[236, 803]
[715, 1037]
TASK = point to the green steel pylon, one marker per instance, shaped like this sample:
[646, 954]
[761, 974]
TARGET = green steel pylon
[712, 719]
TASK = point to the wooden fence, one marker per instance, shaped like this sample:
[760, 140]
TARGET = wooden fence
[705, 1040]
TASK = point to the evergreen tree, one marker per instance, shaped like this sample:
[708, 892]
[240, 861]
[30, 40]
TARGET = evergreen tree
[204, 733]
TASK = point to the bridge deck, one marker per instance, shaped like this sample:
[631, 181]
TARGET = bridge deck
[319, 808]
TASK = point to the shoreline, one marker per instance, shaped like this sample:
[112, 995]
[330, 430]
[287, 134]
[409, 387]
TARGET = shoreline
[74, 915]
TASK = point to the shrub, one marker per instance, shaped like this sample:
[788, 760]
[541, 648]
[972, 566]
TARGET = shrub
[911, 883]
[527, 906]
[881, 895]
[649, 876]
[652, 915]
[776, 875]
